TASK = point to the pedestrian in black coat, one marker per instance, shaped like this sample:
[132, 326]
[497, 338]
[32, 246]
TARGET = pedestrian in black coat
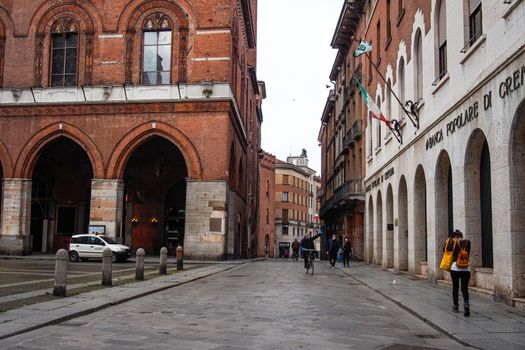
[333, 248]
[347, 250]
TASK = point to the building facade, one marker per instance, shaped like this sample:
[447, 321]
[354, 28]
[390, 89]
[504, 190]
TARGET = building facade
[266, 233]
[342, 144]
[459, 161]
[296, 188]
[140, 120]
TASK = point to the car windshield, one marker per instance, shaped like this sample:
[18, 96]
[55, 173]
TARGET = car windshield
[108, 240]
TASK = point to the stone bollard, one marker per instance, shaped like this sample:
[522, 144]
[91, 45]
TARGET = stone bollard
[61, 261]
[139, 272]
[163, 266]
[178, 254]
[107, 267]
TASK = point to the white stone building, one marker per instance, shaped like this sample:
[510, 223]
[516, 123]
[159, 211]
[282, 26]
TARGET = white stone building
[465, 166]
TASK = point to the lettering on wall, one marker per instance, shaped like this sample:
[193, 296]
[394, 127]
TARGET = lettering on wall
[380, 178]
[471, 112]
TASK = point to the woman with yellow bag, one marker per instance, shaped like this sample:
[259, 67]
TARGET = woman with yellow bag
[456, 252]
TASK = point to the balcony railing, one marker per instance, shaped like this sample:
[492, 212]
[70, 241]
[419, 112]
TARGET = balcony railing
[350, 193]
[352, 135]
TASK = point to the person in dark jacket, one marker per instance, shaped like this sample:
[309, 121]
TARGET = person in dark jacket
[347, 249]
[333, 248]
[308, 243]
[459, 274]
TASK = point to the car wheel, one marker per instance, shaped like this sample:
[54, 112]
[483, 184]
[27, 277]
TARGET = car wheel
[114, 258]
[73, 256]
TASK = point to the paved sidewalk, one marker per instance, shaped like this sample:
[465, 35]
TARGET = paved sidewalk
[52, 312]
[491, 325]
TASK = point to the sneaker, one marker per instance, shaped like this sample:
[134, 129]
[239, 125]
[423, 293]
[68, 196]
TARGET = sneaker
[455, 309]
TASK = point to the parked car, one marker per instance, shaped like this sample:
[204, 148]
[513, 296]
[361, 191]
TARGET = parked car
[91, 246]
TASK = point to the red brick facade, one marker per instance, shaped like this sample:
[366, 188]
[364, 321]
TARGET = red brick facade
[266, 233]
[216, 133]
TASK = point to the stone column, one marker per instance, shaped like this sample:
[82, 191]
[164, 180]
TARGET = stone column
[206, 216]
[107, 198]
[16, 217]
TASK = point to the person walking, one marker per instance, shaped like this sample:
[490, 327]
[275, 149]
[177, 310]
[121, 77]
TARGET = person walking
[347, 249]
[333, 248]
[460, 269]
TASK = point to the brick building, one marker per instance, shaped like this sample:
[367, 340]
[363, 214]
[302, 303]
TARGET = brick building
[296, 187]
[139, 118]
[266, 232]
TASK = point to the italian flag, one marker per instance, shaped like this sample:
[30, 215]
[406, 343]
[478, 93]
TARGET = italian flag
[372, 106]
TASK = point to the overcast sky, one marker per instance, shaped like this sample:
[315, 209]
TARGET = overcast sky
[294, 58]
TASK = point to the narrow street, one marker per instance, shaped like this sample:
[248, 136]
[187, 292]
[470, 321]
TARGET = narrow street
[259, 305]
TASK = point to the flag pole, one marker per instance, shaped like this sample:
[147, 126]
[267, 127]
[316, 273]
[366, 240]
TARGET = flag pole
[414, 122]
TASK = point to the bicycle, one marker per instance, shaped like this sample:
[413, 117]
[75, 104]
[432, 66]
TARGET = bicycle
[295, 255]
[310, 261]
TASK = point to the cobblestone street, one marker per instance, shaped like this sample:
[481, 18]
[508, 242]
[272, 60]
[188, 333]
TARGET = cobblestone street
[259, 305]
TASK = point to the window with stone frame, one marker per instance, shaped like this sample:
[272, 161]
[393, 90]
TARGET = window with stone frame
[64, 52]
[475, 21]
[442, 41]
[156, 56]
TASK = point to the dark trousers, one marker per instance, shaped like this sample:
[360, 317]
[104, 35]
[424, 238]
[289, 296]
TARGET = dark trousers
[332, 258]
[456, 276]
[346, 258]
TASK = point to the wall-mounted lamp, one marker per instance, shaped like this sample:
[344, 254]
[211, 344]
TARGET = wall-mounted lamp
[134, 221]
[154, 220]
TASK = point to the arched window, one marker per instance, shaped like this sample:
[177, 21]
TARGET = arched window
[156, 62]
[370, 135]
[401, 86]
[442, 40]
[64, 52]
[418, 69]
[378, 124]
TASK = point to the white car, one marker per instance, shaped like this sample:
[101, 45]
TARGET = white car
[91, 246]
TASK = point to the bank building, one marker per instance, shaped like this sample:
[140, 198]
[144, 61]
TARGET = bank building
[453, 155]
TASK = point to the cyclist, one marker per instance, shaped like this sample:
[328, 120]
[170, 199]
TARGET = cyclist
[308, 243]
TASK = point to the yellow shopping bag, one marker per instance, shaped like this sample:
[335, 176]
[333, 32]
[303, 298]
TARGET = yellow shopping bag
[448, 257]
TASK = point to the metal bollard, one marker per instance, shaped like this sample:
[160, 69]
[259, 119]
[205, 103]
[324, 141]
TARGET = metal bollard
[107, 267]
[178, 254]
[139, 272]
[61, 261]
[163, 266]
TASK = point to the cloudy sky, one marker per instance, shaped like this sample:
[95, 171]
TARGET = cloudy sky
[295, 59]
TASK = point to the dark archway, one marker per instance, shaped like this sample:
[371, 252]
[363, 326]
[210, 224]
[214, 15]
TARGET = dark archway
[389, 232]
[402, 229]
[61, 194]
[378, 232]
[444, 220]
[478, 199]
[155, 196]
[517, 200]
[420, 221]
[370, 231]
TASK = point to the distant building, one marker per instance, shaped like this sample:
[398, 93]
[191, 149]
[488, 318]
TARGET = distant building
[266, 228]
[296, 187]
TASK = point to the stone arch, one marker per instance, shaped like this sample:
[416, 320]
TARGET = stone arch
[444, 220]
[478, 225]
[6, 30]
[388, 249]
[517, 201]
[401, 263]
[6, 161]
[378, 232]
[131, 22]
[29, 155]
[418, 240]
[370, 231]
[140, 134]
[88, 21]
